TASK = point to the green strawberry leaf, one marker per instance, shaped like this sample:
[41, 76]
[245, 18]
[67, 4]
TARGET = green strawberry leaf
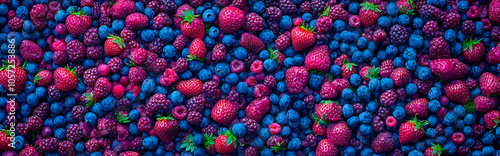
[209, 140]
[370, 6]
[122, 118]
[90, 99]
[326, 12]
[188, 143]
[188, 16]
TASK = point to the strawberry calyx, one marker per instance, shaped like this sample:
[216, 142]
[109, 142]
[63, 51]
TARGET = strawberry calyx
[122, 118]
[349, 65]
[230, 138]
[370, 6]
[118, 40]
[373, 73]
[469, 43]
[79, 13]
[469, 106]
[321, 121]
[7, 133]
[209, 140]
[437, 149]
[188, 143]
[273, 54]
[326, 12]
[131, 63]
[307, 27]
[188, 16]
[90, 98]
[6, 65]
[279, 148]
[192, 57]
[419, 124]
[72, 71]
[168, 117]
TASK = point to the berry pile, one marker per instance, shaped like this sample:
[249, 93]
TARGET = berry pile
[249, 77]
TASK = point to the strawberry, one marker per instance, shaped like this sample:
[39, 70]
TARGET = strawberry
[166, 128]
[319, 129]
[192, 25]
[302, 37]
[191, 87]
[457, 91]
[6, 139]
[411, 131]
[401, 77]
[368, 14]
[492, 119]
[277, 56]
[122, 8]
[251, 43]
[339, 133]
[30, 151]
[493, 56]
[9, 72]
[258, 108]
[31, 51]
[473, 50]
[318, 59]
[367, 73]
[328, 111]
[326, 148]
[231, 19]
[484, 104]
[78, 22]
[448, 69]
[296, 79]
[65, 79]
[494, 11]
[102, 88]
[224, 111]
[178, 14]
[489, 84]
[226, 142]
[434, 150]
[418, 107]
[327, 91]
[348, 69]
[197, 50]
[43, 78]
[406, 6]
[114, 45]
[383, 143]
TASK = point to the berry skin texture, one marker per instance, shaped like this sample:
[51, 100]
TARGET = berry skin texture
[302, 37]
[65, 79]
[296, 79]
[224, 111]
[231, 19]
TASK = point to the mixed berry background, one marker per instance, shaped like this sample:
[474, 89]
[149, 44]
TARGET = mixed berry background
[249, 77]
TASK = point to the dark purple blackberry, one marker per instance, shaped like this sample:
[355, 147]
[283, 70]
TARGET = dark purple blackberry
[60, 57]
[468, 27]
[54, 93]
[79, 112]
[96, 10]
[305, 7]
[75, 51]
[358, 146]
[318, 5]
[399, 35]
[471, 83]
[159, 65]
[358, 108]
[287, 6]
[251, 151]
[180, 42]
[309, 100]
[79, 70]
[90, 76]
[270, 3]
[378, 124]
[155, 6]
[251, 124]
[161, 20]
[210, 129]
[209, 89]
[439, 129]
[123, 102]
[222, 3]
[144, 124]
[478, 130]
[115, 64]
[431, 28]
[274, 13]
[479, 145]
[94, 52]
[250, 58]
[22, 129]
[92, 145]
[105, 20]
[337, 12]
[451, 21]
[254, 22]
[42, 110]
[463, 150]
[239, 4]
[156, 46]
[136, 143]
[181, 65]
[75, 133]
[196, 103]
[233, 96]
[495, 33]
[169, 6]
[401, 94]
[91, 38]
[383, 112]
[67, 148]
[396, 152]
[310, 141]
[324, 24]
[270, 81]
[48, 144]
[196, 3]
[194, 118]
[15, 23]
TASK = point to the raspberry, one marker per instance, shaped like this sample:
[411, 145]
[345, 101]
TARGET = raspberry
[75, 133]
[318, 6]
[95, 52]
[251, 151]
[468, 27]
[431, 28]
[358, 108]
[156, 46]
[90, 76]
[115, 64]
[287, 6]
[42, 110]
[210, 129]
[254, 22]
[127, 35]
[67, 148]
[144, 124]
[54, 93]
[337, 12]
[196, 103]
[305, 7]
[161, 20]
[48, 144]
[251, 125]
[79, 112]
[451, 21]
[495, 33]
[15, 23]
[91, 38]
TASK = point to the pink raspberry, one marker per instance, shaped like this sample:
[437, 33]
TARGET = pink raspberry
[103, 69]
[168, 77]
[275, 128]
[257, 66]
[179, 112]
[391, 121]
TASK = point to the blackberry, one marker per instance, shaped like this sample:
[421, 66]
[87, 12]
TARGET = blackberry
[48, 144]
[270, 81]
[431, 28]
[144, 124]
[92, 145]
[22, 129]
[123, 102]
[478, 130]
[194, 118]
[423, 87]
[155, 6]
[115, 64]
[127, 35]
[95, 52]
[42, 110]
[337, 12]
[251, 151]
[479, 145]
[310, 141]
[318, 5]
[463, 150]
[222, 3]
[233, 96]
[79, 70]
[91, 37]
[75, 133]
[159, 65]
[250, 58]
[210, 129]
[274, 13]
[75, 51]
[324, 24]
[180, 42]
[287, 6]
[79, 112]
[181, 65]
[96, 11]
[274, 26]
[309, 100]
[67, 148]
[439, 129]
[451, 21]
[471, 83]
[356, 144]
[378, 124]
[401, 94]
[60, 57]
[219, 52]
[239, 4]
[161, 20]
[254, 22]
[15, 23]
[270, 3]
[156, 46]
[399, 35]
[196, 3]
[283, 41]
[209, 89]
[136, 143]
[383, 112]
[429, 12]
[468, 27]
[305, 7]
[196, 103]
[90, 76]
[169, 6]
[105, 20]
[495, 33]
[358, 108]
[158, 102]
[251, 124]
[396, 152]
[54, 93]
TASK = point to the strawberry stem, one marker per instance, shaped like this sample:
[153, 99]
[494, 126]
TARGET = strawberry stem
[188, 16]
[370, 6]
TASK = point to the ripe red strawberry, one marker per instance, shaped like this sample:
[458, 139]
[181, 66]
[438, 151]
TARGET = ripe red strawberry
[231, 19]
[367, 73]
[348, 69]
[418, 107]
[191, 87]
[277, 56]
[5, 139]
[114, 45]
[368, 14]
[327, 91]
[65, 79]
[224, 111]
[31, 51]
[166, 128]
[401, 77]
[178, 14]
[494, 11]
[258, 108]
[484, 104]
[492, 119]
[326, 148]
[30, 151]
[197, 50]
[226, 142]
[78, 22]
[318, 59]
[434, 150]
[457, 91]
[411, 131]
[319, 129]
[43, 78]
[136, 21]
[473, 50]
[493, 56]
[302, 37]
[339, 133]
[328, 111]
[489, 84]
[251, 43]
[122, 8]
[383, 143]
[448, 69]
[296, 79]
[192, 25]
